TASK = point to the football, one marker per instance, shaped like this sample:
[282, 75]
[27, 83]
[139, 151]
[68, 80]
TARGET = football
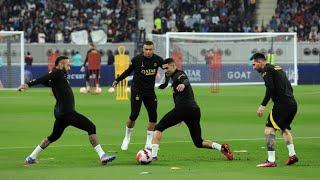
[144, 156]
[111, 90]
[83, 90]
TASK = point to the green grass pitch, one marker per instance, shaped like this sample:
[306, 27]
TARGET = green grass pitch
[228, 117]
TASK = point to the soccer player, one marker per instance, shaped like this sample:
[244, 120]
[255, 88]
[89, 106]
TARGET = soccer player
[93, 59]
[186, 109]
[64, 110]
[279, 89]
[145, 67]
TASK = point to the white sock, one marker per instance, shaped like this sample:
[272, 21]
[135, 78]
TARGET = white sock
[128, 132]
[216, 146]
[149, 137]
[291, 150]
[154, 150]
[36, 152]
[99, 150]
[271, 156]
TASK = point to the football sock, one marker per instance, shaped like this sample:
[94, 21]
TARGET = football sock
[99, 150]
[216, 146]
[36, 152]
[271, 156]
[291, 150]
[128, 132]
[154, 150]
[149, 137]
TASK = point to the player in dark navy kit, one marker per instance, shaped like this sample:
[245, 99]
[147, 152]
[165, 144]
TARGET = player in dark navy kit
[279, 89]
[145, 67]
[186, 110]
[64, 110]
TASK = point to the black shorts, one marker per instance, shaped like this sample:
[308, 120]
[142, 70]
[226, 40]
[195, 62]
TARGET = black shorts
[71, 119]
[281, 116]
[190, 115]
[150, 102]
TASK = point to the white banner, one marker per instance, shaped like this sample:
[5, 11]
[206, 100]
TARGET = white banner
[98, 37]
[79, 37]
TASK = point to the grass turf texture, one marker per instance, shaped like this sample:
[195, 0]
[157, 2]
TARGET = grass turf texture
[227, 117]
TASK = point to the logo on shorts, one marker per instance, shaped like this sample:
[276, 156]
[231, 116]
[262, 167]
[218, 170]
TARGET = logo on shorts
[137, 98]
[155, 64]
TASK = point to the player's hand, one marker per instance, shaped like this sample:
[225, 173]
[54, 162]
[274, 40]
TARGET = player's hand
[82, 69]
[260, 110]
[180, 87]
[114, 84]
[163, 86]
[23, 87]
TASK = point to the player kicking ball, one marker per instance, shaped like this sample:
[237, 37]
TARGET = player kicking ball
[64, 110]
[186, 110]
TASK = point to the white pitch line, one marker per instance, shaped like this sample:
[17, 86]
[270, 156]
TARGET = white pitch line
[167, 142]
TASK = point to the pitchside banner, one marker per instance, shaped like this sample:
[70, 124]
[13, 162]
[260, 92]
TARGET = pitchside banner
[308, 74]
[232, 73]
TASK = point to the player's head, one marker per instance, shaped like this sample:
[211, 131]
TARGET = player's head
[63, 63]
[168, 66]
[148, 49]
[258, 61]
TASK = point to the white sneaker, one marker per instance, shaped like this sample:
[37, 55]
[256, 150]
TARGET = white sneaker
[125, 144]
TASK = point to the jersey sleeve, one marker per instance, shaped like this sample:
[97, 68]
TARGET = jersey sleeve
[183, 79]
[45, 80]
[268, 78]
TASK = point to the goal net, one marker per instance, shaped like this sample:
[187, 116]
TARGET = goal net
[224, 58]
[11, 59]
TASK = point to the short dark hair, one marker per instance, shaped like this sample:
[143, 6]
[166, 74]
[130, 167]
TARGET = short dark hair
[258, 56]
[148, 43]
[60, 58]
[168, 61]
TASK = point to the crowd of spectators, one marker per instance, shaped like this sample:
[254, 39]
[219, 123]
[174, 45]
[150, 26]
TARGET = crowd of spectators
[204, 16]
[301, 16]
[53, 21]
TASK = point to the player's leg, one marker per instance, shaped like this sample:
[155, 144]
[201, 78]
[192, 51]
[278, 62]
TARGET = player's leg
[87, 78]
[97, 78]
[136, 102]
[287, 136]
[271, 142]
[151, 103]
[58, 128]
[170, 119]
[79, 121]
[192, 119]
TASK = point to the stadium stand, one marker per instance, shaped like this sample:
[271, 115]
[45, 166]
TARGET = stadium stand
[301, 16]
[52, 21]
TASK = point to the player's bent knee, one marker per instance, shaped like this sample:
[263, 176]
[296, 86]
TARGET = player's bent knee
[91, 129]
